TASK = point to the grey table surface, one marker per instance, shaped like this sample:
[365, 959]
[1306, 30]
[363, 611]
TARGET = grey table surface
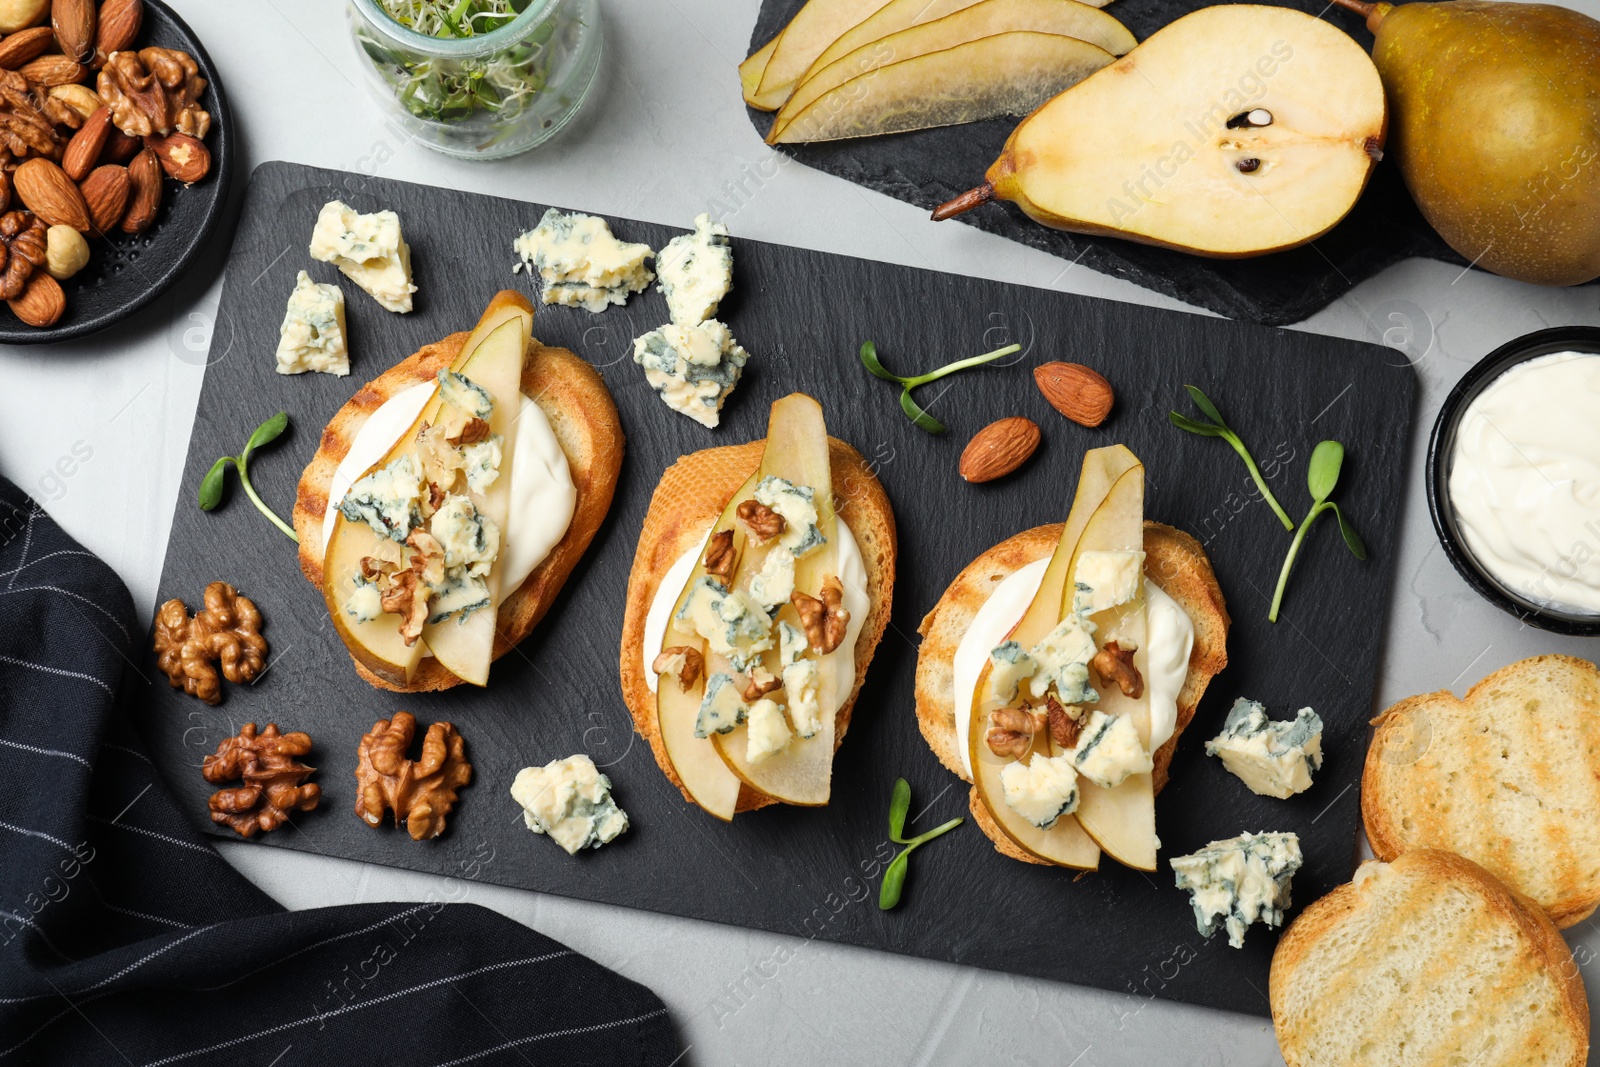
[665, 138]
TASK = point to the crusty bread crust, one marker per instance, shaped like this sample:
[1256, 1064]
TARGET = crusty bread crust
[1509, 777]
[1336, 973]
[1173, 560]
[691, 494]
[572, 396]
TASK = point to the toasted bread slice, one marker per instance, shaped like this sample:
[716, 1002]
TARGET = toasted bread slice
[690, 496]
[1173, 560]
[1508, 777]
[572, 396]
[1428, 959]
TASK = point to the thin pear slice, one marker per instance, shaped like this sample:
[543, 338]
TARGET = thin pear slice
[754, 66]
[1218, 136]
[1065, 844]
[797, 450]
[465, 646]
[1122, 821]
[898, 15]
[709, 781]
[983, 19]
[1003, 74]
[814, 28]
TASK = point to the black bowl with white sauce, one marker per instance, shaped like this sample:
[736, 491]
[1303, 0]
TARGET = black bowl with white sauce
[1514, 478]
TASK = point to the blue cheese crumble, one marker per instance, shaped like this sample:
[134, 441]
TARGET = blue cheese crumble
[1109, 750]
[694, 368]
[570, 801]
[696, 272]
[1010, 666]
[312, 337]
[798, 506]
[581, 263]
[1275, 759]
[1240, 881]
[365, 602]
[1104, 580]
[733, 625]
[463, 393]
[367, 249]
[773, 584]
[1063, 657]
[389, 500]
[767, 732]
[1041, 790]
[721, 708]
[470, 539]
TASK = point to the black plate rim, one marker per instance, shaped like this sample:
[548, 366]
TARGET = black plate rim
[1441, 445]
[16, 332]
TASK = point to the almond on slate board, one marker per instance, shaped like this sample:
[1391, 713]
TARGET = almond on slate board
[45, 190]
[1079, 393]
[998, 449]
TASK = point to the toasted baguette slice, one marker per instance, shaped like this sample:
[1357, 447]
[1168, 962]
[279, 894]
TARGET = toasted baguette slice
[1173, 560]
[1428, 959]
[572, 396]
[690, 496]
[1508, 777]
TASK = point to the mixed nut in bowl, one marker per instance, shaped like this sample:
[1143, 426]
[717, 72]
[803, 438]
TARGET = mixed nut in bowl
[114, 149]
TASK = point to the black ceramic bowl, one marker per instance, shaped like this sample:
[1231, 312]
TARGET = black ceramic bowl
[126, 272]
[1441, 447]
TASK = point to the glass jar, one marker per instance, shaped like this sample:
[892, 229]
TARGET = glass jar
[508, 87]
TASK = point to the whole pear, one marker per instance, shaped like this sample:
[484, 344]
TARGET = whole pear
[1494, 119]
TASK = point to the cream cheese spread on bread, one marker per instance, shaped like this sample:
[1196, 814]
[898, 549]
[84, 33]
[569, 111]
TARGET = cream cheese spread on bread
[543, 496]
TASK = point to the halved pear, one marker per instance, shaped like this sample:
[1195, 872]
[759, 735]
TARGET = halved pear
[465, 646]
[754, 66]
[1122, 821]
[1220, 135]
[1065, 844]
[898, 15]
[1003, 74]
[377, 645]
[813, 28]
[797, 450]
[973, 22]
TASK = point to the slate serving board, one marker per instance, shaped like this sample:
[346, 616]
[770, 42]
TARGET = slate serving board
[815, 873]
[928, 167]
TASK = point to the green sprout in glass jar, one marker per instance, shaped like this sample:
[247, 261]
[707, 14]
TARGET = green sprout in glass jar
[481, 78]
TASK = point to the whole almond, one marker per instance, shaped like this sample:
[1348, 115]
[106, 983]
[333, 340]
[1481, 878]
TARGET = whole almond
[120, 147]
[999, 448]
[41, 302]
[182, 157]
[119, 27]
[24, 45]
[1076, 391]
[145, 178]
[106, 191]
[84, 150]
[52, 70]
[74, 23]
[45, 190]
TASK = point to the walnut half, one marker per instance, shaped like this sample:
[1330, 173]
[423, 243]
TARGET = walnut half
[683, 661]
[154, 91]
[721, 560]
[268, 764]
[1115, 664]
[1011, 731]
[763, 523]
[825, 620]
[420, 792]
[225, 635]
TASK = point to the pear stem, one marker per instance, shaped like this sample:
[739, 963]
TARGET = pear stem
[1373, 13]
[965, 202]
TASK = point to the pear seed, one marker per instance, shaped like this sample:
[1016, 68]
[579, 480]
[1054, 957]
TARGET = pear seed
[1259, 117]
[1248, 166]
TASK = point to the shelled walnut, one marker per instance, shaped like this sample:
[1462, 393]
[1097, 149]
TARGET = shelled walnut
[720, 557]
[25, 130]
[225, 634]
[419, 792]
[154, 90]
[268, 764]
[825, 620]
[24, 247]
[763, 523]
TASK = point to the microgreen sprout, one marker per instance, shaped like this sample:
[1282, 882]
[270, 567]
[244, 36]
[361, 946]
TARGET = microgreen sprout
[894, 878]
[1218, 427]
[869, 359]
[1322, 475]
[212, 485]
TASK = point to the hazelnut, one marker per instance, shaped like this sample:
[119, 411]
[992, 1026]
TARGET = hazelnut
[65, 252]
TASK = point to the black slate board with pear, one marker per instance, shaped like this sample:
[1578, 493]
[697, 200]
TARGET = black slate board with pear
[803, 316]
